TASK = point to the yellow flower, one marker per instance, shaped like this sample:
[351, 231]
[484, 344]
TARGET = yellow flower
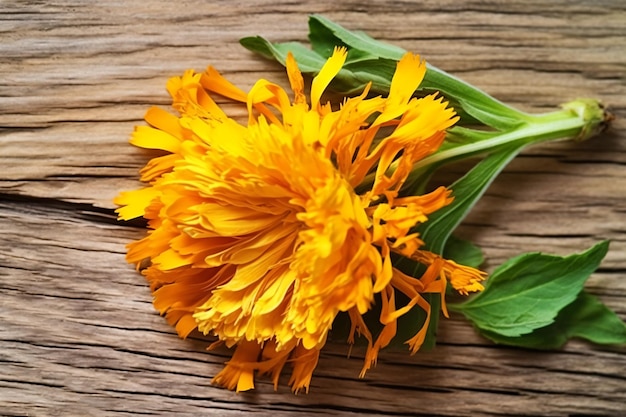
[257, 233]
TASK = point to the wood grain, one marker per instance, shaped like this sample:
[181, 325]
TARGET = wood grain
[78, 334]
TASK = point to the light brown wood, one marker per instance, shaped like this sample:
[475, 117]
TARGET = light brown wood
[78, 334]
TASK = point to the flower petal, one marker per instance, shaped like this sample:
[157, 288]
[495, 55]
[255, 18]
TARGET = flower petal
[330, 69]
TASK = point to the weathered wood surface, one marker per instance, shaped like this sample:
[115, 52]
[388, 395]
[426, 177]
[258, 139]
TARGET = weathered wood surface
[78, 334]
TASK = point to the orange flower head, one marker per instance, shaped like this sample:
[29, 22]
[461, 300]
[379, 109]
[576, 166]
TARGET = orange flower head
[257, 232]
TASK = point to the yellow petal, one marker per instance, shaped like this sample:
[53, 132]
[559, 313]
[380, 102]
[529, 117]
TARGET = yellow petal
[295, 79]
[239, 371]
[164, 121]
[328, 71]
[135, 202]
[214, 81]
[409, 74]
[151, 138]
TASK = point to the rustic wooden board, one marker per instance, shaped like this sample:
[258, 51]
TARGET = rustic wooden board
[78, 334]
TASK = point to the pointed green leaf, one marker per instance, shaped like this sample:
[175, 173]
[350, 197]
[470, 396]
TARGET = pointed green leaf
[308, 60]
[586, 318]
[366, 55]
[323, 31]
[323, 41]
[350, 79]
[436, 231]
[528, 291]
[466, 192]
[478, 104]
[475, 102]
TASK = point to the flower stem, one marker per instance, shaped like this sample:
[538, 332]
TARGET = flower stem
[577, 120]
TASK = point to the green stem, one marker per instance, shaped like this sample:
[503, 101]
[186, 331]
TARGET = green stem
[562, 126]
[578, 120]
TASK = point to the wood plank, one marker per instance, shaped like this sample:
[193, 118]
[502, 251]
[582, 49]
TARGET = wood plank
[78, 334]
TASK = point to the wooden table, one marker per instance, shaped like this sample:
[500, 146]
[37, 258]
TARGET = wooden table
[78, 333]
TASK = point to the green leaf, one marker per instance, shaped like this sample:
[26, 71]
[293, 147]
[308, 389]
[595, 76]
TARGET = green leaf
[463, 252]
[371, 60]
[436, 231]
[475, 102]
[481, 106]
[351, 79]
[528, 291]
[323, 41]
[324, 31]
[586, 318]
[466, 192]
[308, 60]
